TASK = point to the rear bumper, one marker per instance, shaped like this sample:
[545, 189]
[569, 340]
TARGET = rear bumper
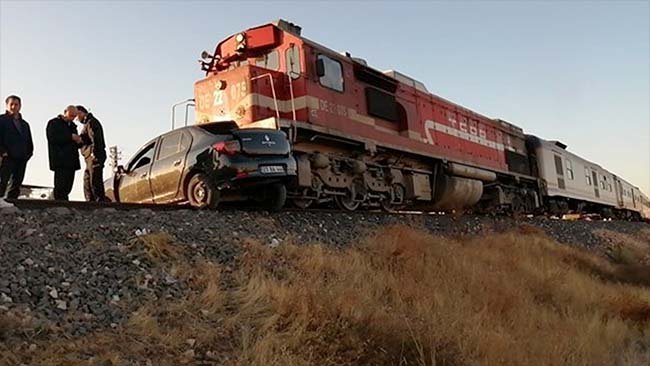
[242, 171]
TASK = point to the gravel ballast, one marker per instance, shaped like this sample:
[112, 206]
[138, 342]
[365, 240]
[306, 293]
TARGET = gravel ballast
[82, 270]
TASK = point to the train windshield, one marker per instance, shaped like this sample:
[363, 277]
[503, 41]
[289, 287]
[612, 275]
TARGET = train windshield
[219, 128]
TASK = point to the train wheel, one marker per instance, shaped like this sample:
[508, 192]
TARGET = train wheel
[347, 202]
[201, 193]
[396, 199]
[276, 197]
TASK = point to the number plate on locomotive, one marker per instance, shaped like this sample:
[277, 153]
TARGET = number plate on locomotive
[271, 169]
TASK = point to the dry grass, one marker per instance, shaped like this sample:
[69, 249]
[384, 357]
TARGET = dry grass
[401, 297]
[158, 246]
[408, 298]
[630, 256]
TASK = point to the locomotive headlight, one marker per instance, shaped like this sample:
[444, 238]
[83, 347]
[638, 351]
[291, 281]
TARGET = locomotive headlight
[241, 42]
[220, 85]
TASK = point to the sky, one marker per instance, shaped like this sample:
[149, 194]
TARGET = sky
[578, 71]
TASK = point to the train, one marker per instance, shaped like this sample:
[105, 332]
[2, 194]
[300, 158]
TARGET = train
[363, 137]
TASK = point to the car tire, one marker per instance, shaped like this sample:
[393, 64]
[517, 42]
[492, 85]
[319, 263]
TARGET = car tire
[275, 197]
[201, 192]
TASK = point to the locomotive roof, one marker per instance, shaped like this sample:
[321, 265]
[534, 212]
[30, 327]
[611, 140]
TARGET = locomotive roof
[400, 77]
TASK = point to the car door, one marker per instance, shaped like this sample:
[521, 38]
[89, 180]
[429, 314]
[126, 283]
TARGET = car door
[167, 169]
[134, 185]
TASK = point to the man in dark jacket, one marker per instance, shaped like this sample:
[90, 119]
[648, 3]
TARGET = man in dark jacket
[63, 144]
[16, 148]
[94, 153]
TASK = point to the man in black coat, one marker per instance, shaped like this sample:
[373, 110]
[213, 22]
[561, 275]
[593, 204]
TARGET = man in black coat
[63, 144]
[16, 148]
[94, 153]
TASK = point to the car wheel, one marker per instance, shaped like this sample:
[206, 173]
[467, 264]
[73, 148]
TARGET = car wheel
[201, 193]
[276, 196]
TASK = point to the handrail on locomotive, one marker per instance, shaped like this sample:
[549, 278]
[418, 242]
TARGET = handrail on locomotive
[188, 103]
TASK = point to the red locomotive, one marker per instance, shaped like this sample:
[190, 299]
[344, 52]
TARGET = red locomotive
[363, 136]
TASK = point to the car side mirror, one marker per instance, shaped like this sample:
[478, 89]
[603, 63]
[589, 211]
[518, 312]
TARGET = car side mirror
[320, 68]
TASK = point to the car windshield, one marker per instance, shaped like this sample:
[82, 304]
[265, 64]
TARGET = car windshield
[219, 128]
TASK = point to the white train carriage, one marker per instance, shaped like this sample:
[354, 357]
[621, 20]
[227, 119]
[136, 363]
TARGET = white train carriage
[577, 184]
[645, 206]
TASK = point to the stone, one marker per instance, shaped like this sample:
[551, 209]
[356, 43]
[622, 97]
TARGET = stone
[60, 210]
[5, 298]
[274, 243]
[9, 210]
[61, 305]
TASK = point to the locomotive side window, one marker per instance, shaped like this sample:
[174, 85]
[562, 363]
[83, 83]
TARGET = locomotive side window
[269, 61]
[382, 105]
[569, 169]
[587, 177]
[292, 58]
[330, 73]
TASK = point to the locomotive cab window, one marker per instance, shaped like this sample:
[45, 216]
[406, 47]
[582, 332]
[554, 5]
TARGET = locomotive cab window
[292, 55]
[269, 61]
[330, 73]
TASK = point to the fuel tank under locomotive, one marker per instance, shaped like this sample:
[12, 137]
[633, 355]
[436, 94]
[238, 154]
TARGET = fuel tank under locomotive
[456, 187]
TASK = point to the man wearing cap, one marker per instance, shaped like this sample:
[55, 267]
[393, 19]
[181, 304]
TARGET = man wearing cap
[63, 144]
[16, 148]
[94, 152]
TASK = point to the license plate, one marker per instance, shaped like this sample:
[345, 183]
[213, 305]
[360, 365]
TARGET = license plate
[270, 169]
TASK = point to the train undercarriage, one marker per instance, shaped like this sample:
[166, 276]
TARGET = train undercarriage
[353, 175]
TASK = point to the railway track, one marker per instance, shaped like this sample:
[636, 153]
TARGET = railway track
[84, 205]
[228, 206]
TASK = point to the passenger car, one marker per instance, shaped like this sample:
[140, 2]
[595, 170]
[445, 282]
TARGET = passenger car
[575, 184]
[205, 164]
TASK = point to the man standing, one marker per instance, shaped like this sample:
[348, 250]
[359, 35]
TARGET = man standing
[63, 143]
[16, 148]
[94, 152]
